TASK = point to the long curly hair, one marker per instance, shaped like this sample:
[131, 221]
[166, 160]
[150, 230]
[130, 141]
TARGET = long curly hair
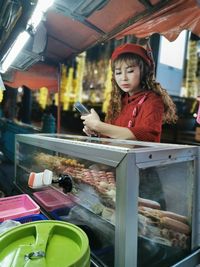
[147, 82]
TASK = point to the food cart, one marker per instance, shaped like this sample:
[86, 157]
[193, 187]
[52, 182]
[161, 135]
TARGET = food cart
[138, 202]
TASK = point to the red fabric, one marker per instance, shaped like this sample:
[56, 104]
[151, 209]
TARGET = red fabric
[39, 75]
[147, 124]
[132, 48]
[169, 21]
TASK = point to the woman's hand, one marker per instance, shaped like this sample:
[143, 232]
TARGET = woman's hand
[90, 121]
[94, 126]
[87, 131]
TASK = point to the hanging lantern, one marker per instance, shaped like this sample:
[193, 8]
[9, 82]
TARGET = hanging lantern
[63, 82]
[43, 97]
[79, 77]
[1, 95]
[191, 79]
[107, 90]
[68, 88]
[56, 99]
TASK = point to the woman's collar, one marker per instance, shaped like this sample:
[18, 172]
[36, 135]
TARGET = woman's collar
[129, 98]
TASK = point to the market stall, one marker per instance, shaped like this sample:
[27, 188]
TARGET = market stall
[137, 202]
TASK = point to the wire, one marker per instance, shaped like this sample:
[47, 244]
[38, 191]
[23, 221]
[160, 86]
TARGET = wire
[10, 14]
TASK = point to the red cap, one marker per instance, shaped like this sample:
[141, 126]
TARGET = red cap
[132, 48]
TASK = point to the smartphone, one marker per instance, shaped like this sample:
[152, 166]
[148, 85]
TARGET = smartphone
[81, 108]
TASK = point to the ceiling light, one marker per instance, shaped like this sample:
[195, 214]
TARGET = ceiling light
[20, 89]
[38, 13]
[23, 37]
[13, 52]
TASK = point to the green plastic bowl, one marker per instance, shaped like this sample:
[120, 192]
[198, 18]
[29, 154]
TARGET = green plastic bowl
[44, 244]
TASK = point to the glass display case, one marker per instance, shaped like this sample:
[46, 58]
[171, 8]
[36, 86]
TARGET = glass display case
[137, 201]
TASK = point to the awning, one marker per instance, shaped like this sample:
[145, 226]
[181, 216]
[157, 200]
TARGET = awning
[39, 75]
[176, 16]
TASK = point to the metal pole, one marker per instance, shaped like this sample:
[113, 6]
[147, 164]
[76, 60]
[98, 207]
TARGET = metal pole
[59, 106]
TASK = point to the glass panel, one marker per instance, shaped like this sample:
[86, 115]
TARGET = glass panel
[95, 140]
[82, 193]
[164, 213]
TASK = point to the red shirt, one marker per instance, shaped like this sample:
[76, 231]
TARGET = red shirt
[143, 119]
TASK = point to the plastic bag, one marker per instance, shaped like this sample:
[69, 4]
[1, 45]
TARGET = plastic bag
[8, 224]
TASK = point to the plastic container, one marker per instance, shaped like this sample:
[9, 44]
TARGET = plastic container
[40, 179]
[17, 206]
[58, 214]
[31, 218]
[52, 199]
[45, 244]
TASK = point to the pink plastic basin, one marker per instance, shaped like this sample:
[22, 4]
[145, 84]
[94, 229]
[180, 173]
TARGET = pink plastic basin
[17, 207]
[52, 199]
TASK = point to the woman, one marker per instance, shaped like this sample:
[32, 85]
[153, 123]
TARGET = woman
[138, 104]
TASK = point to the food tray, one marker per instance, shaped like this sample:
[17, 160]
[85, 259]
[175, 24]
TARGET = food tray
[17, 206]
[31, 218]
[52, 199]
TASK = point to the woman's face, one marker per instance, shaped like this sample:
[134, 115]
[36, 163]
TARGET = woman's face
[127, 77]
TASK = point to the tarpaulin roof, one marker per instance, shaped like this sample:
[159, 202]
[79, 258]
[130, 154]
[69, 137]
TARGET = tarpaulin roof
[39, 75]
[169, 21]
[69, 34]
